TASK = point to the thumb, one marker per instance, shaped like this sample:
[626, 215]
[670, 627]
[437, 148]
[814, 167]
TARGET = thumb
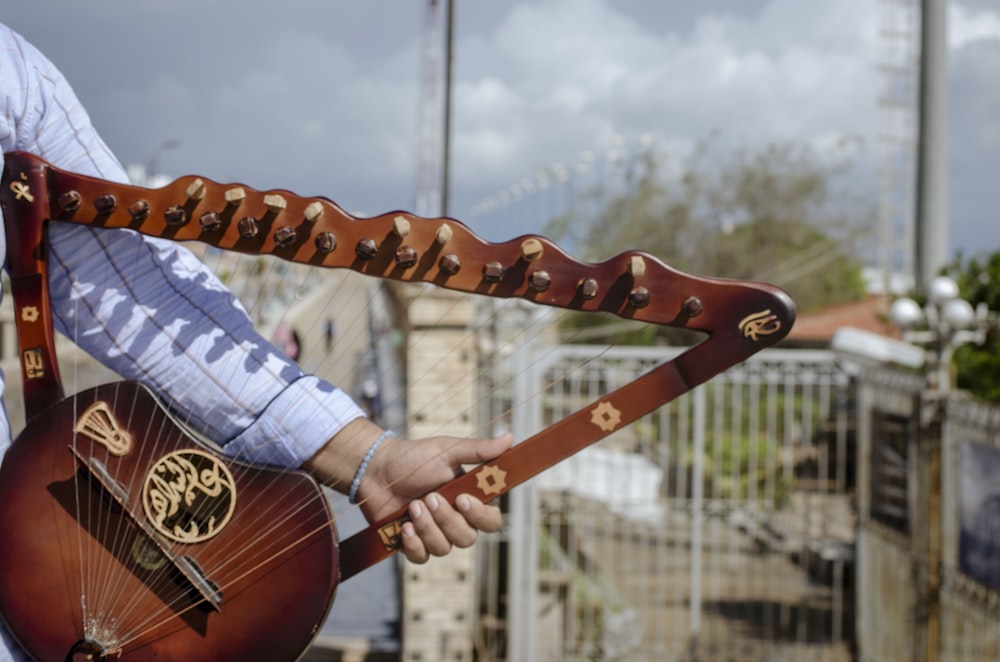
[475, 451]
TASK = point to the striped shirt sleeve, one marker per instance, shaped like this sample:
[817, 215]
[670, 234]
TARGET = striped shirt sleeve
[149, 309]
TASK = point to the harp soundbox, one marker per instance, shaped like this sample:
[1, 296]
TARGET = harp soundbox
[736, 318]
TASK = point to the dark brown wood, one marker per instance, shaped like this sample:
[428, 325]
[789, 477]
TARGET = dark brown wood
[65, 544]
[737, 318]
[25, 216]
[737, 314]
[508, 271]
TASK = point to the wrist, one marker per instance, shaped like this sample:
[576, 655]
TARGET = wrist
[359, 475]
[336, 463]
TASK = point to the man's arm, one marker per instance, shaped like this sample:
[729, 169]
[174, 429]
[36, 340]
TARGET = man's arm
[154, 313]
[400, 473]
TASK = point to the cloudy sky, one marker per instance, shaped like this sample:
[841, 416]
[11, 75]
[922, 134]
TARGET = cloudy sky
[322, 97]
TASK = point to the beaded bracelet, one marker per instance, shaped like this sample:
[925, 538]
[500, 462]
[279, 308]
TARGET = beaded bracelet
[352, 496]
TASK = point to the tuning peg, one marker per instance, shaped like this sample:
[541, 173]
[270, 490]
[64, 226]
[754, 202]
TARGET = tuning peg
[105, 204]
[234, 196]
[325, 242]
[493, 272]
[587, 287]
[406, 257]
[210, 221]
[69, 201]
[443, 234]
[636, 266]
[366, 249]
[539, 280]
[449, 263]
[275, 203]
[175, 215]
[248, 227]
[692, 306]
[313, 211]
[639, 297]
[400, 226]
[284, 236]
[531, 249]
[195, 190]
[139, 210]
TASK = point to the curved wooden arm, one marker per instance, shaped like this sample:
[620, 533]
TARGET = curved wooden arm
[25, 209]
[396, 245]
[739, 318]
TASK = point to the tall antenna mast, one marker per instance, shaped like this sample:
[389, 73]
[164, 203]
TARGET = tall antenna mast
[430, 175]
[898, 137]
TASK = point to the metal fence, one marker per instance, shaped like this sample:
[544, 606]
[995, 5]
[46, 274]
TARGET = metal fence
[891, 554]
[719, 527]
[929, 540]
[970, 532]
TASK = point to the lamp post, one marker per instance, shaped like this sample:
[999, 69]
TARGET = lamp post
[944, 323]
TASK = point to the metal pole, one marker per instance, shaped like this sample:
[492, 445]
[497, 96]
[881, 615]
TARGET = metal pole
[446, 144]
[522, 563]
[697, 518]
[932, 160]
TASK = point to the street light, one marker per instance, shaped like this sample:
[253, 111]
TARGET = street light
[944, 323]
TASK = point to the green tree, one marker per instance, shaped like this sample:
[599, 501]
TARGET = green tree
[978, 366]
[780, 214]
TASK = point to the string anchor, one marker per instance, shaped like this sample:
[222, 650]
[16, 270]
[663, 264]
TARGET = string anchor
[89, 650]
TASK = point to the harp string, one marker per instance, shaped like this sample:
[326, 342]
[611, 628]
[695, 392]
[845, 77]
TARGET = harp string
[273, 278]
[100, 576]
[740, 318]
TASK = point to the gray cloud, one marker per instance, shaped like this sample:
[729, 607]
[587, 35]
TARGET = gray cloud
[323, 97]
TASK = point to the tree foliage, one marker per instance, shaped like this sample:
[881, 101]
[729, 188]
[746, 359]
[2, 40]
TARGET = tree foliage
[978, 366]
[778, 214]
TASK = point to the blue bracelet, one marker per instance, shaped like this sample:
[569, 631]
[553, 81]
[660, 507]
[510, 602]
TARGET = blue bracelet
[352, 496]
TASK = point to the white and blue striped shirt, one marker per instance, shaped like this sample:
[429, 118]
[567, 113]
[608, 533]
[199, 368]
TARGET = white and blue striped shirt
[150, 310]
[147, 308]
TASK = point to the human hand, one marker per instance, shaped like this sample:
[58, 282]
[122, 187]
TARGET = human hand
[404, 473]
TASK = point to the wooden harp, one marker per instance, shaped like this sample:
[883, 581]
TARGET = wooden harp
[737, 318]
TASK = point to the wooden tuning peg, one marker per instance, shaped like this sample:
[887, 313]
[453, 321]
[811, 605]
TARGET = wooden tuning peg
[235, 196]
[693, 306]
[406, 257]
[366, 249]
[70, 201]
[639, 297]
[400, 226]
[443, 234]
[175, 215]
[275, 203]
[195, 190]
[493, 272]
[210, 222]
[105, 204]
[587, 287]
[531, 249]
[636, 266]
[449, 263]
[139, 210]
[539, 280]
[284, 236]
[248, 226]
[325, 242]
[313, 211]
